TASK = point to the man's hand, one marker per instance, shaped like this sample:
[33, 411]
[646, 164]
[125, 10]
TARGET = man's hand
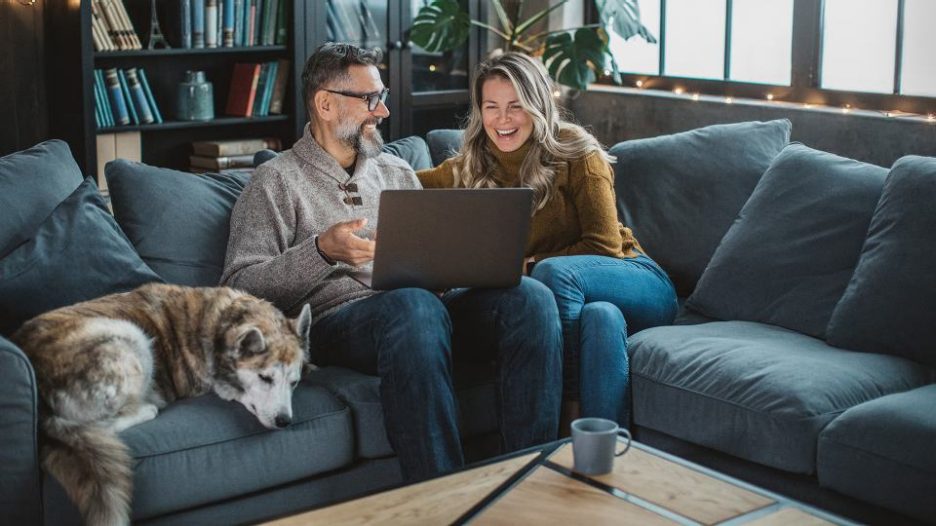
[340, 243]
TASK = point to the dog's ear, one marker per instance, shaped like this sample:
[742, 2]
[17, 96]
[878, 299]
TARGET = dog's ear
[301, 325]
[250, 341]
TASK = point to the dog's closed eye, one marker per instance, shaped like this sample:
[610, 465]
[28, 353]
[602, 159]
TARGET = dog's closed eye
[266, 379]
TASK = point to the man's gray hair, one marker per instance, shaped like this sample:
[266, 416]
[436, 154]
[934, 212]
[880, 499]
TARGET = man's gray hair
[330, 62]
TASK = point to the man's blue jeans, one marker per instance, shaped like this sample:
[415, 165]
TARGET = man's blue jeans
[411, 337]
[601, 301]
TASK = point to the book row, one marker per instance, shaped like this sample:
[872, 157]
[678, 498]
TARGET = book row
[231, 153]
[257, 89]
[232, 23]
[111, 29]
[123, 97]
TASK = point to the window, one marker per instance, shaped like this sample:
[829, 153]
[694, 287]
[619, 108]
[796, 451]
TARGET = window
[859, 53]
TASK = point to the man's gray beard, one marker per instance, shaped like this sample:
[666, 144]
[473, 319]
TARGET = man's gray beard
[363, 143]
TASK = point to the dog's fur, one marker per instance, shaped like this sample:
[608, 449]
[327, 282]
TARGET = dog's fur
[111, 363]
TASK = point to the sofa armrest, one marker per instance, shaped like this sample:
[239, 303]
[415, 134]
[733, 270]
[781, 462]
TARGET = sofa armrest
[20, 476]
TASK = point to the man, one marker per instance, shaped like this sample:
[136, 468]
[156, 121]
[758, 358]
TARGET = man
[306, 221]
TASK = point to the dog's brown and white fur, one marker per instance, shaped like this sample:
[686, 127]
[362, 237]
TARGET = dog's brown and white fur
[111, 363]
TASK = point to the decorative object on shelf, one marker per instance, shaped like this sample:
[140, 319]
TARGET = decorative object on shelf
[156, 38]
[574, 56]
[195, 101]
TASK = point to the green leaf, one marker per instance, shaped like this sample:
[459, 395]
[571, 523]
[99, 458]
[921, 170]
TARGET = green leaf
[572, 57]
[623, 17]
[440, 26]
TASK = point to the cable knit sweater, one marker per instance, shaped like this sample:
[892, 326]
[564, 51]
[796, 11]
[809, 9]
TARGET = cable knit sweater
[289, 201]
[579, 218]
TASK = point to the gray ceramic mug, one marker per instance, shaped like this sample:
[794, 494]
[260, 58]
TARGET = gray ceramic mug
[593, 444]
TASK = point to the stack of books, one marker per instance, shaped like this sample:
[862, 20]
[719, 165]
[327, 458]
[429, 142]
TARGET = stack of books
[123, 97]
[232, 23]
[257, 90]
[221, 155]
[111, 29]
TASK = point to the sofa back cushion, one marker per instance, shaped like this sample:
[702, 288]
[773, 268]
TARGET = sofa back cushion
[411, 149]
[32, 183]
[889, 305]
[177, 221]
[788, 257]
[78, 253]
[680, 192]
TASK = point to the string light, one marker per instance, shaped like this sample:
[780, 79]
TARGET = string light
[678, 91]
[639, 84]
[770, 96]
[847, 108]
[432, 68]
[695, 96]
[729, 100]
[557, 93]
[931, 118]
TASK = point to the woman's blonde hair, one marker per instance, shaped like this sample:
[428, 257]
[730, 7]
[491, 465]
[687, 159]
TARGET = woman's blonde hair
[553, 141]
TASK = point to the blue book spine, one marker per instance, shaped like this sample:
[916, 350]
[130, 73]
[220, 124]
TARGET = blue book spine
[98, 110]
[258, 97]
[258, 24]
[129, 100]
[185, 23]
[268, 87]
[149, 96]
[227, 28]
[238, 7]
[105, 103]
[139, 97]
[114, 93]
[198, 23]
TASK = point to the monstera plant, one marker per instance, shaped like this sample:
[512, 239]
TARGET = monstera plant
[573, 56]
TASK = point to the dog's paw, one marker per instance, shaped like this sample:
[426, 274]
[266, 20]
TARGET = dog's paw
[148, 412]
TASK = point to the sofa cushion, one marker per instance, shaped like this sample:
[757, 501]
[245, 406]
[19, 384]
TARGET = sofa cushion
[474, 391]
[882, 452]
[756, 391]
[32, 183]
[444, 144]
[788, 257]
[411, 149]
[177, 221]
[78, 253]
[888, 306]
[20, 484]
[680, 192]
[203, 450]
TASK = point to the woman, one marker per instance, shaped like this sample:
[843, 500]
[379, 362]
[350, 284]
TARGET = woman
[604, 285]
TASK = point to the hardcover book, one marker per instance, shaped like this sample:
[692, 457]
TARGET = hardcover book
[279, 87]
[139, 96]
[198, 23]
[149, 96]
[243, 90]
[218, 163]
[234, 147]
[134, 118]
[211, 23]
[119, 107]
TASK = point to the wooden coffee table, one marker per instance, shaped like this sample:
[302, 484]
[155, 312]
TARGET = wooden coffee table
[647, 486]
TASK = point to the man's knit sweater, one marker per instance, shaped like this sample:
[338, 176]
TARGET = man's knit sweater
[289, 201]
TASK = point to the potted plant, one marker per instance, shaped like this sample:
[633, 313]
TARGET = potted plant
[574, 56]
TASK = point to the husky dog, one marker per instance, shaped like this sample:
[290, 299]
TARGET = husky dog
[111, 363]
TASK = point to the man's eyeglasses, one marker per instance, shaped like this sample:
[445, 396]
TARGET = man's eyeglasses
[372, 99]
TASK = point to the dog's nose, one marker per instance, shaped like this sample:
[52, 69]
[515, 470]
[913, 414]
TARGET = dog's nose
[282, 421]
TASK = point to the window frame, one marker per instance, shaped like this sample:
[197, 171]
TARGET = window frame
[805, 77]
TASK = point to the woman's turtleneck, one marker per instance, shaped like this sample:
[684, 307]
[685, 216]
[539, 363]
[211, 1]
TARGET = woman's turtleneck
[509, 162]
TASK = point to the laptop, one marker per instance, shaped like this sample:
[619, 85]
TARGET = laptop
[447, 238]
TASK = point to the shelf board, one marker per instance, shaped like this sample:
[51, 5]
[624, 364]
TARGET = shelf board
[138, 53]
[175, 125]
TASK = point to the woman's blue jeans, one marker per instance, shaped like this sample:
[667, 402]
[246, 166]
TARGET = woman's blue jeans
[601, 301]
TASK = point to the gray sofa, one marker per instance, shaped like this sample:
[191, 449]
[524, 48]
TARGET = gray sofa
[748, 370]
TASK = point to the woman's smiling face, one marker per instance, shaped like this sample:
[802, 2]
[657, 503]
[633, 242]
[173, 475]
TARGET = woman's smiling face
[505, 121]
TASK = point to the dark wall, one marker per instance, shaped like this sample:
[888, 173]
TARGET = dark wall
[615, 116]
[24, 120]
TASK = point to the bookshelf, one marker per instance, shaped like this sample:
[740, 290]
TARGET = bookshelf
[73, 60]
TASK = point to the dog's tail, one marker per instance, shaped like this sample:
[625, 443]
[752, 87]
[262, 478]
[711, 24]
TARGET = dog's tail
[93, 466]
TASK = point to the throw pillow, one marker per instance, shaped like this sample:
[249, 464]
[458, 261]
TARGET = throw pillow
[788, 257]
[178, 222]
[411, 149]
[888, 306]
[32, 183]
[680, 192]
[78, 253]
[444, 144]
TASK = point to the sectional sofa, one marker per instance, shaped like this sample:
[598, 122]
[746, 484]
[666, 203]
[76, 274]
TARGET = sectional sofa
[805, 343]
